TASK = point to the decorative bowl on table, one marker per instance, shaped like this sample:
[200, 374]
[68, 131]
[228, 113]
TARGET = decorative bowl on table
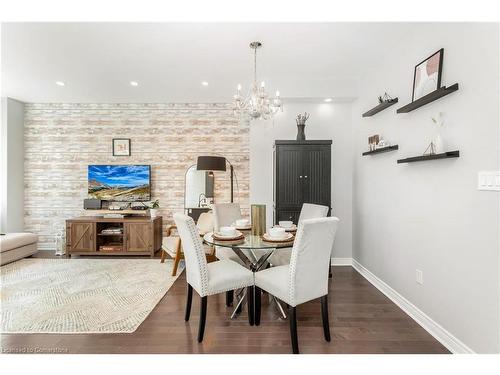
[243, 224]
[227, 231]
[277, 234]
[288, 225]
[287, 237]
[227, 234]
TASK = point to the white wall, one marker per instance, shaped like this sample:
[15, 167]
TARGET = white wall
[430, 215]
[12, 165]
[327, 121]
[498, 80]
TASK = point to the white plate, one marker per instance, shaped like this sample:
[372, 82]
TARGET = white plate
[284, 238]
[293, 228]
[226, 237]
[244, 228]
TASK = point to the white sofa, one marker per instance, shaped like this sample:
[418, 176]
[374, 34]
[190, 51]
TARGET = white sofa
[15, 246]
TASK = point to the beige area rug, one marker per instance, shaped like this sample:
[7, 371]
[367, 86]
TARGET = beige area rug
[81, 295]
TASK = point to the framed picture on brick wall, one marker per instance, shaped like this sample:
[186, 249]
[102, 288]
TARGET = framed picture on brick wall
[121, 146]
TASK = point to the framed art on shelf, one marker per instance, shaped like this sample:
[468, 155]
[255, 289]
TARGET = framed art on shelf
[427, 75]
[121, 146]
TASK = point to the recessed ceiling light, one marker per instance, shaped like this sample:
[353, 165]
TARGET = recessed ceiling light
[134, 83]
[204, 83]
[60, 83]
[328, 100]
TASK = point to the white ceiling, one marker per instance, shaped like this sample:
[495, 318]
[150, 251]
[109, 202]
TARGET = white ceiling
[170, 60]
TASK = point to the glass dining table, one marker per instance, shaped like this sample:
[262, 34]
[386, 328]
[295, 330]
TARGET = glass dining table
[254, 252]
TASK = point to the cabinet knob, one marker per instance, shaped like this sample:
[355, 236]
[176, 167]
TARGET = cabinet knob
[300, 176]
[305, 176]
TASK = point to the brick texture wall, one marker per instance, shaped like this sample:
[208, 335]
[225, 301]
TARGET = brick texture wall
[61, 140]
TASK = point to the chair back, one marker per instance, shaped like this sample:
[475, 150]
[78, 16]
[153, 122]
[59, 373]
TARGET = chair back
[205, 222]
[225, 214]
[194, 254]
[312, 211]
[311, 258]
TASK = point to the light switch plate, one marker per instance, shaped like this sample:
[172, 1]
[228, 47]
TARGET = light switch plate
[488, 180]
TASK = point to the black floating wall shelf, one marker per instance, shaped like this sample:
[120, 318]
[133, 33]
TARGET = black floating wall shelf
[444, 155]
[380, 107]
[381, 150]
[439, 93]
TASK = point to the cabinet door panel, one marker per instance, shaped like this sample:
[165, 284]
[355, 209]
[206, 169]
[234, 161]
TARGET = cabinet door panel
[317, 176]
[288, 172]
[82, 237]
[138, 237]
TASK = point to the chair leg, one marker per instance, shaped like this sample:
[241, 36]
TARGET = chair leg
[188, 302]
[292, 316]
[229, 297]
[257, 305]
[203, 318]
[178, 257]
[324, 316]
[250, 299]
[163, 256]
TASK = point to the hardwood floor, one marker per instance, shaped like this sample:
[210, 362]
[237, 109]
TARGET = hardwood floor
[362, 320]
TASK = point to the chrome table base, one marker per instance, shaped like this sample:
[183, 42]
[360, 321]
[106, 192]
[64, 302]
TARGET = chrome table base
[260, 263]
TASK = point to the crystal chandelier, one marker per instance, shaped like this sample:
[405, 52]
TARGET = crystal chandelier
[257, 105]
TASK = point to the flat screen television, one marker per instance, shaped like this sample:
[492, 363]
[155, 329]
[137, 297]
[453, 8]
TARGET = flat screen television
[120, 183]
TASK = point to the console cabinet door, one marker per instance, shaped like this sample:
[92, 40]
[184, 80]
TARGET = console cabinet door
[82, 236]
[138, 236]
[316, 181]
[289, 176]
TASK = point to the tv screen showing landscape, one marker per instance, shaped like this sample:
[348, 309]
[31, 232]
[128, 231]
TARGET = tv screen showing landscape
[120, 183]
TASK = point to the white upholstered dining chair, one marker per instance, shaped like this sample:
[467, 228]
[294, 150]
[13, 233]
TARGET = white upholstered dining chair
[306, 277]
[209, 278]
[308, 211]
[225, 214]
[171, 244]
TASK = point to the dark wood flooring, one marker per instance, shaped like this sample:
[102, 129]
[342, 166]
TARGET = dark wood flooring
[362, 320]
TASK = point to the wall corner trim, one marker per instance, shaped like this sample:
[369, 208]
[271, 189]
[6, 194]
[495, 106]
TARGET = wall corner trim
[453, 344]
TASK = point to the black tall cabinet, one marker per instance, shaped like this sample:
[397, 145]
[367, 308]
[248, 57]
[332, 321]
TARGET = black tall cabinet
[302, 174]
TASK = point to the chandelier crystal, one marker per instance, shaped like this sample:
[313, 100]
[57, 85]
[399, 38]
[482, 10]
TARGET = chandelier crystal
[257, 104]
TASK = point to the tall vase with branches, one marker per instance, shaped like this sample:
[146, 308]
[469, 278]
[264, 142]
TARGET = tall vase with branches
[301, 124]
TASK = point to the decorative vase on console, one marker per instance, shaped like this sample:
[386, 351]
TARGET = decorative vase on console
[301, 124]
[153, 211]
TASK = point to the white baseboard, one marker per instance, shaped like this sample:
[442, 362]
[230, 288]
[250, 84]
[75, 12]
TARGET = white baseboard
[453, 344]
[341, 261]
[47, 247]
